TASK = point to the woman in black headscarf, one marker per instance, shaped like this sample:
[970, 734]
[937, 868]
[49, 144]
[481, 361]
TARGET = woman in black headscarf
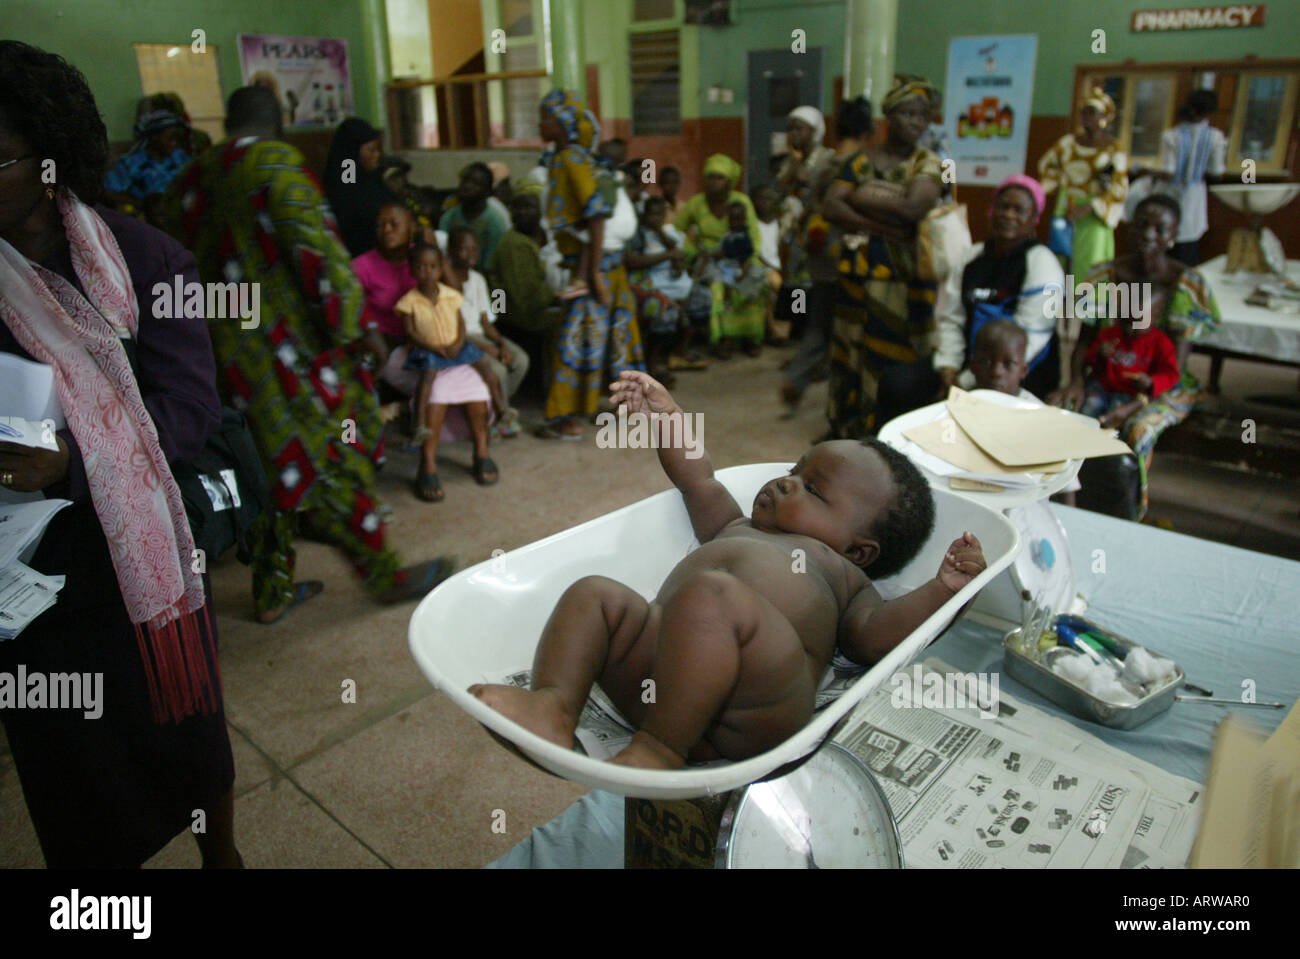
[356, 191]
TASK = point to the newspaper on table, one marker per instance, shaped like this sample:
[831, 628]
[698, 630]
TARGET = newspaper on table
[1168, 826]
[970, 793]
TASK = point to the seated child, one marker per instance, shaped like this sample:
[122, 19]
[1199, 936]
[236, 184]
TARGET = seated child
[655, 256]
[997, 360]
[1129, 364]
[735, 249]
[434, 324]
[766, 207]
[739, 637]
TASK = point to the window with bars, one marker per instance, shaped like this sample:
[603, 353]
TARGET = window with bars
[656, 83]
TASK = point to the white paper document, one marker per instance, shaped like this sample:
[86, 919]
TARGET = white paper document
[24, 432]
[24, 595]
[27, 390]
[22, 525]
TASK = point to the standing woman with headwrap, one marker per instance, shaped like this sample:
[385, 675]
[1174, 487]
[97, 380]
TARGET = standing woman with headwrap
[355, 201]
[140, 177]
[883, 316]
[703, 221]
[598, 337]
[1091, 172]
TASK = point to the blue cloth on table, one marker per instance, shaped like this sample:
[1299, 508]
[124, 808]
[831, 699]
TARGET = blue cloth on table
[1226, 615]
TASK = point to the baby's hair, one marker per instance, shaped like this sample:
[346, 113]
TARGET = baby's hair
[906, 524]
[419, 249]
[654, 203]
[736, 203]
[1000, 331]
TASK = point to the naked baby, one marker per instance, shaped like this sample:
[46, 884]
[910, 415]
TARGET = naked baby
[744, 628]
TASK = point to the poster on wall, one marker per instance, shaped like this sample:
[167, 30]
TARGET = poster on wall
[309, 76]
[987, 102]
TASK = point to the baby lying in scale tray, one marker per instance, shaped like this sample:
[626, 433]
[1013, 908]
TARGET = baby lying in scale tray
[727, 660]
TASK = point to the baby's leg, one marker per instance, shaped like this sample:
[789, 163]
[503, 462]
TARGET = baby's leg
[593, 632]
[730, 675]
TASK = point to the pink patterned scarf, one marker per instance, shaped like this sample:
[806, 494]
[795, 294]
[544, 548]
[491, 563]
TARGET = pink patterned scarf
[131, 486]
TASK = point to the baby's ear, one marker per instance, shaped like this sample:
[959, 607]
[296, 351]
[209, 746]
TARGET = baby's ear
[863, 551]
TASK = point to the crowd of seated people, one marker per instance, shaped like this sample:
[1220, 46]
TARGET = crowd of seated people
[594, 263]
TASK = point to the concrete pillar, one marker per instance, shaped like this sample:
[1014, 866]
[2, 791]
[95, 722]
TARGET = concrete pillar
[871, 36]
[374, 21]
[563, 28]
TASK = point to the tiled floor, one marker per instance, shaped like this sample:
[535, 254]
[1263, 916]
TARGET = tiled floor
[402, 777]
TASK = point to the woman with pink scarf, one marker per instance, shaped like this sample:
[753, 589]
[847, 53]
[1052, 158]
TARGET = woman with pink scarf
[75, 295]
[1011, 276]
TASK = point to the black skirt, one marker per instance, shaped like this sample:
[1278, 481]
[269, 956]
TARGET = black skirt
[108, 792]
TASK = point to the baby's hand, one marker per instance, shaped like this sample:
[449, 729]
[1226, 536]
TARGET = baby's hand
[962, 563]
[640, 393]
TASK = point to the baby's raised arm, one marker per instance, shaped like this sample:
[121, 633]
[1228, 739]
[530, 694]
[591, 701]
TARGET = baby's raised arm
[870, 627]
[708, 503]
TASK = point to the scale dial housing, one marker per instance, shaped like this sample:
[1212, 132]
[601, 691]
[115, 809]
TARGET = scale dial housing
[830, 813]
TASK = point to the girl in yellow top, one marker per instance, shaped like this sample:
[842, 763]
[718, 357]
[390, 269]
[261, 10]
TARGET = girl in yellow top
[1092, 173]
[431, 315]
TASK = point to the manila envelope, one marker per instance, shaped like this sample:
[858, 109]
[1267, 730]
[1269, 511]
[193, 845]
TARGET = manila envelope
[948, 441]
[1022, 437]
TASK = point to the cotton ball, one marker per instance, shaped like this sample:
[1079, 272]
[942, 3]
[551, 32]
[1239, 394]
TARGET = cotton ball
[1105, 686]
[1143, 668]
[1073, 667]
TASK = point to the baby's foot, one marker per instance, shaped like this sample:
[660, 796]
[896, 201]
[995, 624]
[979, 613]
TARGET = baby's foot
[539, 710]
[646, 752]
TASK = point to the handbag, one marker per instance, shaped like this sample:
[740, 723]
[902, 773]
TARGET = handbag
[942, 240]
[1060, 238]
[224, 487]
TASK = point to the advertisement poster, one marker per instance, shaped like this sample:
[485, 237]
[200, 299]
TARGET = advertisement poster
[309, 76]
[987, 102]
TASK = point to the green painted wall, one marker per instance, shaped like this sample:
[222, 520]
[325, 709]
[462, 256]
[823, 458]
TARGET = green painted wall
[96, 36]
[1065, 37]
[767, 25]
[1064, 32]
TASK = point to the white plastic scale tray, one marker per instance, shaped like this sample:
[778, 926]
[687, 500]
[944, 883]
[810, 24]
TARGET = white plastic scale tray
[485, 622]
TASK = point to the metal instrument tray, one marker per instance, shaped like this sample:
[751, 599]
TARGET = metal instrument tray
[1078, 701]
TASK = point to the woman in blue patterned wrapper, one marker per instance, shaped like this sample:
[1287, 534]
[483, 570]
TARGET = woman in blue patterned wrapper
[598, 337]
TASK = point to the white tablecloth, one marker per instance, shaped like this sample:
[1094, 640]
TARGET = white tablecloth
[1250, 329]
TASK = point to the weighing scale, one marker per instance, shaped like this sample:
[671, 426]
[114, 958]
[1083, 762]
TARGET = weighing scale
[828, 813]
[1256, 248]
[1043, 572]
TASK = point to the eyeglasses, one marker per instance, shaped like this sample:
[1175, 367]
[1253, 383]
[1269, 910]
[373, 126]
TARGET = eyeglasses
[9, 163]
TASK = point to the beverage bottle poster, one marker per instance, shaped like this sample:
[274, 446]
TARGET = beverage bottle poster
[308, 75]
[987, 103]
